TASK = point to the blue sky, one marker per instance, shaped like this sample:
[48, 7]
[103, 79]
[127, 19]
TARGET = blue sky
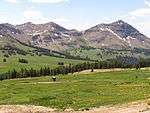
[79, 14]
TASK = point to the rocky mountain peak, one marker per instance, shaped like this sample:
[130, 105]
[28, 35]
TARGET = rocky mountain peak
[119, 22]
[54, 27]
[28, 23]
[125, 30]
[7, 28]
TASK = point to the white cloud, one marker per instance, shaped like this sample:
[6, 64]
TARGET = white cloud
[85, 26]
[60, 19]
[147, 2]
[144, 27]
[106, 19]
[48, 1]
[3, 18]
[34, 16]
[140, 12]
[38, 1]
[37, 17]
[7, 18]
[11, 1]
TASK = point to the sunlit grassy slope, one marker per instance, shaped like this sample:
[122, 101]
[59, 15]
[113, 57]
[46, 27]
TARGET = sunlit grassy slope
[35, 62]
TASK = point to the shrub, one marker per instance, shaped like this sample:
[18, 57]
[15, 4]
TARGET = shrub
[92, 70]
[23, 61]
[6, 55]
[61, 63]
[4, 60]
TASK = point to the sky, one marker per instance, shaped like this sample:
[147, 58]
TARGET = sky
[77, 14]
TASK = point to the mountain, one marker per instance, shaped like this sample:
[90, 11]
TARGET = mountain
[14, 41]
[49, 35]
[116, 35]
[97, 42]
[11, 31]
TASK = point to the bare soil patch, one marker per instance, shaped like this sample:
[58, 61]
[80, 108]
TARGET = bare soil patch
[101, 70]
[109, 70]
[24, 109]
[34, 83]
[135, 107]
[146, 68]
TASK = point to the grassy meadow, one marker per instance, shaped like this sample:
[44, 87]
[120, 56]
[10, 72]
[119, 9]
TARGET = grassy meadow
[81, 91]
[104, 54]
[35, 62]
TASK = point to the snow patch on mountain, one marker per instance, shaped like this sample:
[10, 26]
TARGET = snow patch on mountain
[56, 34]
[34, 34]
[65, 35]
[103, 44]
[114, 33]
[103, 29]
[129, 40]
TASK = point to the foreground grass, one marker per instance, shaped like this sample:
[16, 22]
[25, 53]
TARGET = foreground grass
[78, 91]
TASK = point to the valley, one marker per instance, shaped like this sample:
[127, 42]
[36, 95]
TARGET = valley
[74, 56]
[106, 65]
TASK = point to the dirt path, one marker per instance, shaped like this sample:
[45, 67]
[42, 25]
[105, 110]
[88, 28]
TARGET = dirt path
[35, 83]
[136, 107]
[24, 109]
[100, 70]
[108, 70]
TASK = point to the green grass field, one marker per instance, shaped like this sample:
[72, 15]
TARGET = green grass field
[35, 62]
[78, 91]
[103, 54]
